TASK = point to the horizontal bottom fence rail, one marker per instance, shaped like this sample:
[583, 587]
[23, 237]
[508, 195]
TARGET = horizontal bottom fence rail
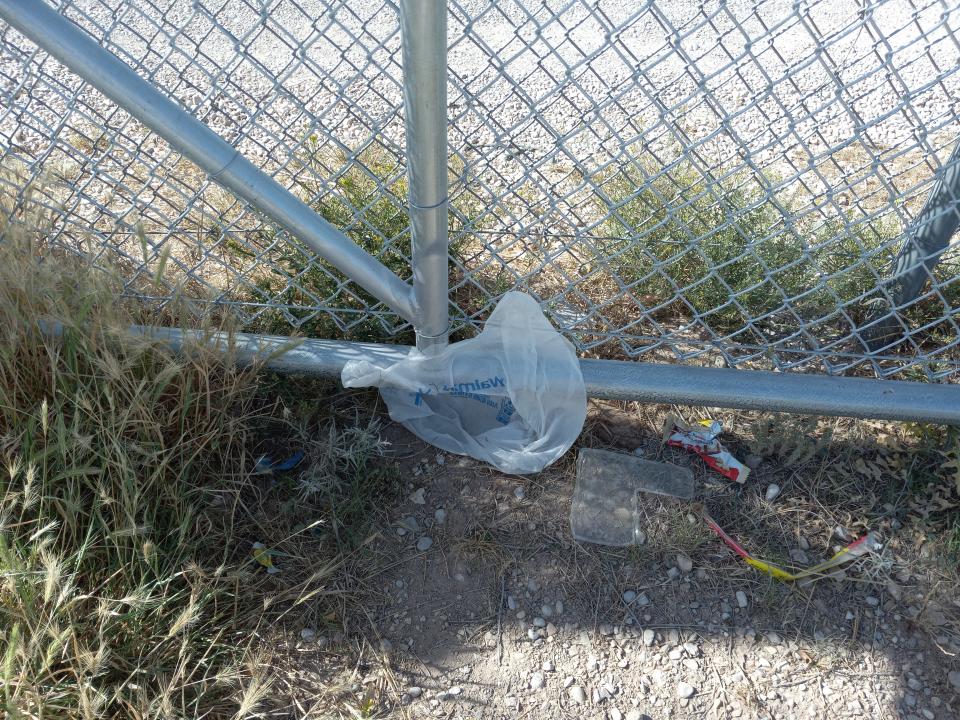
[620, 380]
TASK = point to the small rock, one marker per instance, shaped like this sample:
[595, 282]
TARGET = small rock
[521, 614]
[417, 497]
[568, 681]
[803, 543]
[550, 629]
[741, 599]
[386, 645]
[559, 607]
[577, 694]
[519, 493]
[673, 573]
[536, 681]
[685, 690]
[871, 601]
[539, 622]
[440, 515]
[691, 649]
[511, 602]
[454, 691]
[533, 585]
[684, 563]
[614, 714]
[629, 596]
[954, 677]
[546, 611]
[424, 543]
[592, 664]
[548, 666]
[511, 702]
[637, 715]
[799, 556]
[414, 691]
[648, 637]
[642, 599]
[308, 634]
[773, 491]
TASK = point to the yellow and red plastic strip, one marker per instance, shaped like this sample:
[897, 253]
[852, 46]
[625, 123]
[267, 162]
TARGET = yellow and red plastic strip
[852, 551]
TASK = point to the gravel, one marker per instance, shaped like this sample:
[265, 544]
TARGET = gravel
[424, 543]
[773, 491]
[684, 563]
[537, 681]
[742, 601]
[685, 690]
[629, 596]
[649, 636]
[578, 694]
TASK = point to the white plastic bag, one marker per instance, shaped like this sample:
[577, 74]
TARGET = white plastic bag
[513, 396]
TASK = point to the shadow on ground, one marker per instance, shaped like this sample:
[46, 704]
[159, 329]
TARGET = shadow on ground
[485, 607]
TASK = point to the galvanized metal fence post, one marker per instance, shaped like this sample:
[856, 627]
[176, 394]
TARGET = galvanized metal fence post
[423, 32]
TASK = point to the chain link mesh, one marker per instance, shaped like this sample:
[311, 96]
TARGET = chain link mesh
[715, 182]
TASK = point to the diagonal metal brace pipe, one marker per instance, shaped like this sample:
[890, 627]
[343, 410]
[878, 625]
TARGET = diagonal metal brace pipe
[226, 166]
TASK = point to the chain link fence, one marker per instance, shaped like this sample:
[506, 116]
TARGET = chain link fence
[723, 183]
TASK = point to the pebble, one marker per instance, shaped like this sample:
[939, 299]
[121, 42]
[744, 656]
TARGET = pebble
[691, 649]
[592, 664]
[685, 690]
[417, 497]
[414, 691]
[741, 599]
[954, 677]
[871, 601]
[577, 694]
[637, 715]
[519, 493]
[539, 622]
[511, 702]
[548, 666]
[308, 634]
[511, 602]
[546, 611]
[684, 563]
[614, 714]
[606, 629]
[455, 690]
[440, 515]
[536, 681]
[424, 543]
[773, 491]
[568, 681]
[648, 637]
[629, 596]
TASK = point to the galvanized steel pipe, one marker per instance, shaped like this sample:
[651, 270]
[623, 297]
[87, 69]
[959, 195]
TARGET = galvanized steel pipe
[423, 34]
[646, 382]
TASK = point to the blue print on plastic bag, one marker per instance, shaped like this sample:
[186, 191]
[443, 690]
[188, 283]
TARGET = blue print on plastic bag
[469, 390]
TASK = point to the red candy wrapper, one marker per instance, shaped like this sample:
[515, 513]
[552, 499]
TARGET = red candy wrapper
[702, 441]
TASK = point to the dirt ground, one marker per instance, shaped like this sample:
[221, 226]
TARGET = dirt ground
[483, 605]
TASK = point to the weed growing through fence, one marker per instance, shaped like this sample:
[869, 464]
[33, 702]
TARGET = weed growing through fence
[687, 245]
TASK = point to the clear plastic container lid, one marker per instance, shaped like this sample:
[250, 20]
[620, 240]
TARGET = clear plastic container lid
[605, 501]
